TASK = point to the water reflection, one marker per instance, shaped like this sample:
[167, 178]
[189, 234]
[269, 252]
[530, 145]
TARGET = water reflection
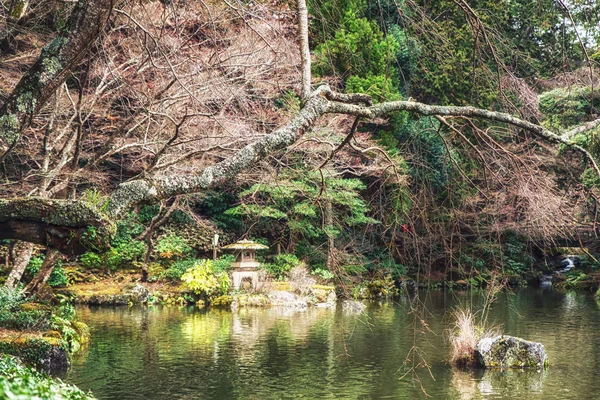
[470, 385]
[171, 353]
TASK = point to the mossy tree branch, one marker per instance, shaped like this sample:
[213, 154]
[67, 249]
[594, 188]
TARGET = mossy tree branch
[69, 226]
[64, 224]
[322, 101]
[56, 61]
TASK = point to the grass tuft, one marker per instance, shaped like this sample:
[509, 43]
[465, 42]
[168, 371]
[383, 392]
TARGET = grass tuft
[465, 333]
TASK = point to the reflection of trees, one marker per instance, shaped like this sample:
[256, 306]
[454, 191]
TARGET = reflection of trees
[126, 342]
[274, 353]
[206, 330]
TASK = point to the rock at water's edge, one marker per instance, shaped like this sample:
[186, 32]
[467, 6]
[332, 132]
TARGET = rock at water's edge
[139, 293]
[510, 352]
[44, 353]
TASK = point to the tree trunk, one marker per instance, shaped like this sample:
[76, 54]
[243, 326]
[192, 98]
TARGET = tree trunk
[38, 282]
[53, 66]
[7, 257]
[158, 220]
[304, 49]
[150, 246]
[18, 9]
[22, 252]
[330, 238]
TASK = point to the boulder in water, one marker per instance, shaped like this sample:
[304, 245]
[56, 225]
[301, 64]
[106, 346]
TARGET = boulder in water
[510, 352]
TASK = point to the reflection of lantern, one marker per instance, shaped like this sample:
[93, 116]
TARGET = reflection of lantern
[245, 265]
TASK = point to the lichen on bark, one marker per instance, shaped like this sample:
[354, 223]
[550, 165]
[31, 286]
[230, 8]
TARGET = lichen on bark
[154, 188]
[56, 61]
[70, 226]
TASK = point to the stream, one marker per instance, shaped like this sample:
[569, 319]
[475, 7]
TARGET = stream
[177, 353]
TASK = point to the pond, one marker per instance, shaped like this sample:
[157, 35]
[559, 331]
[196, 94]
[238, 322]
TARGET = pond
[387, 352]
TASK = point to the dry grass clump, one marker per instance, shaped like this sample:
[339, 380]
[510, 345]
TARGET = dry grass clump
[465, 333]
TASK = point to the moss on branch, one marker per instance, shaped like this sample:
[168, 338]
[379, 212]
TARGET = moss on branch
[70, 226]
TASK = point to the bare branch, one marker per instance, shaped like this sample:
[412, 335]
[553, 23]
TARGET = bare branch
[346, 140]
[155, 188]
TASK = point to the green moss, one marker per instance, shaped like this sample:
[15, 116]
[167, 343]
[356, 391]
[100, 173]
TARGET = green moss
[252, 300]
[55, 46]
[323, 287]
[51, 66]
[26, 102]
[18, 9]
[40, 352]
[222, 301]
[9, 125]
[282, 286]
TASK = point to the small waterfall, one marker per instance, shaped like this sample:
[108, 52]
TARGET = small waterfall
[566, 265]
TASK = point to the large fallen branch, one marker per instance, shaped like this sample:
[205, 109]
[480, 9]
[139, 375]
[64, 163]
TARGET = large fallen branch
[65, 224]
[321, 102]
[69, 226]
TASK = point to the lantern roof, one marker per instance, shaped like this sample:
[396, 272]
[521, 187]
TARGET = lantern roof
[245, 245]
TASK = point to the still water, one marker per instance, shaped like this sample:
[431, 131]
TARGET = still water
[387, 353]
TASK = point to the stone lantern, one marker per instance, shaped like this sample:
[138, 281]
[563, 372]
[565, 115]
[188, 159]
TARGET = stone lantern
[245, 265]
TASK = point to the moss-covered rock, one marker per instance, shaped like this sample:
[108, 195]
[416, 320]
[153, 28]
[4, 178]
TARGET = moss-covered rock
[46, 353]
[510, 352]
[222, 301]
[250, 300]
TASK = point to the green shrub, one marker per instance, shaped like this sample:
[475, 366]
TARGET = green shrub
[19, 382]
[354, 269]
[203, 280]
[313, 255]
[176, 271]
[91, 260]
[222, 301]
[567, 107]
[74, 334]
[133, 250]
[516, 256]
[172, 247]
[58, 278]
[147, 212]
[588, 262]
[389, 265]
[223, 263]
[360, 51]
[323, 273]
[590, 179]
[281, 265]
[34, 265]
[16, 313]
[35, 351]
[120, 255]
